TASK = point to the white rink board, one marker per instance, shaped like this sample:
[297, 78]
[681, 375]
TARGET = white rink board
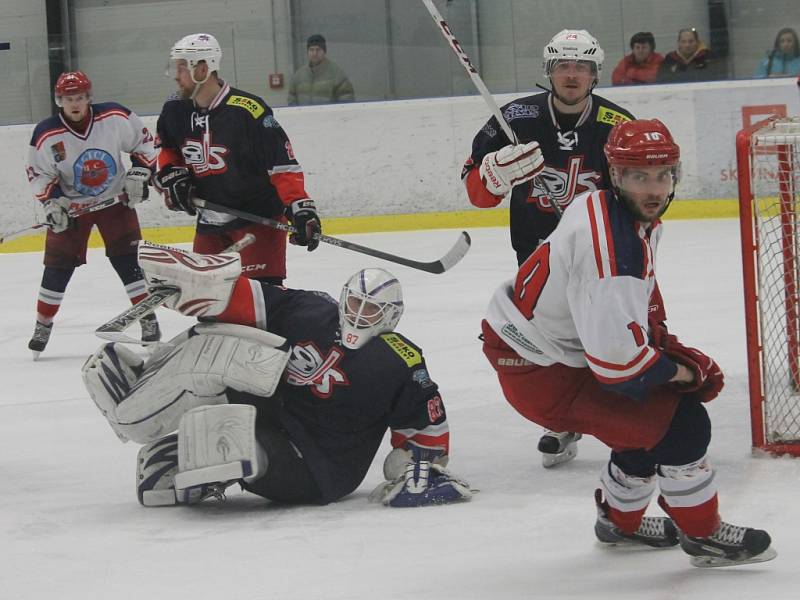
[406, 156]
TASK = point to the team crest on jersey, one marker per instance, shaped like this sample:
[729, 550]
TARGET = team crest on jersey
[203, 157]
[59, 152]
[94, 171]
[488, 130]
[307, 366]
[520, 111]
[563, 186]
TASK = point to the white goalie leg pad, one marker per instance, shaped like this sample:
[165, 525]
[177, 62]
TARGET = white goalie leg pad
[156, 467]
[196, 373]
[205, 281]
[109, 375]
[217, 444]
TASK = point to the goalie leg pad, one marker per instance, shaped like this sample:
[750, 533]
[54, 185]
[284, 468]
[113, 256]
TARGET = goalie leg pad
[197, 372]
[109, 375]
[156, 467]
[217, 445]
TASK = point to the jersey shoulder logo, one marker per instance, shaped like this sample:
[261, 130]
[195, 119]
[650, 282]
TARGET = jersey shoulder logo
[410, 355]
[610, 117]
[93, 172]
[250, 105]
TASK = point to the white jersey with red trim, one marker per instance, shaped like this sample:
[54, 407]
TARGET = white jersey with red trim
[582, 298]
[87, 167]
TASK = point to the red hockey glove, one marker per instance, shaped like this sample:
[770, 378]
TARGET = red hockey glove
[708, 377]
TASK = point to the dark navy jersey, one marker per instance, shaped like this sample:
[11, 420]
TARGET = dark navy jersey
[573, 157]
[237, 152]
[336, 404]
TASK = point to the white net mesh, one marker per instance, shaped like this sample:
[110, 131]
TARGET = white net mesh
[775, 173]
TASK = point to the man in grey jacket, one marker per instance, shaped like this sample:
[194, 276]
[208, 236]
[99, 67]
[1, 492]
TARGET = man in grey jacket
[320, 81]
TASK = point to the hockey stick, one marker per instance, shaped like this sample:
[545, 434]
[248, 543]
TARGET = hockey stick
[453, 256]
[484, 91]
[76, 213]
[114, 330]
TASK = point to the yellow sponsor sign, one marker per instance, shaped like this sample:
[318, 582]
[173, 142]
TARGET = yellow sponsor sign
[410, 355]
[610, 117]
[250, 105]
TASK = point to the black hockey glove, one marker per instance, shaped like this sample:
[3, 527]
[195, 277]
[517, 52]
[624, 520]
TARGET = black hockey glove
[304, 217]
[176, 184]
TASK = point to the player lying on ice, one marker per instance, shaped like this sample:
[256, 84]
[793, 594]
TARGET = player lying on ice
[576, 349]
[283, 391]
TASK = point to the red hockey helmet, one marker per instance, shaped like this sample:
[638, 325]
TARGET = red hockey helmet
[641, 143]
[74, 82]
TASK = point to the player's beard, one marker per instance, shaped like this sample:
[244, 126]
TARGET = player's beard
[184, 93]
[639, 215]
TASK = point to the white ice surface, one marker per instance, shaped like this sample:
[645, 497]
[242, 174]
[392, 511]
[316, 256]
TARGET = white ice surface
[71, 527]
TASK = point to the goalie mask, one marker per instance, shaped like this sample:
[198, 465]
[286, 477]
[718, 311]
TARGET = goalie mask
[371, 303]
[642, 144]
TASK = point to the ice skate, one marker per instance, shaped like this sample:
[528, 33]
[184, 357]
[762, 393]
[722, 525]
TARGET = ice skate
[151, 332]
[729, 545]
[656, 532]
[558, 447]
[41, 335]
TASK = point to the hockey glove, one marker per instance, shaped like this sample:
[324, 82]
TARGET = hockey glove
[176, 184]
[304, 217]
[56, 216]
[417, 476]
[708, 377]
[502, 170]
[136, 186]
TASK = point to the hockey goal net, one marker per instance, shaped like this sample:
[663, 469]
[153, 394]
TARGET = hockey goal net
[768, 164]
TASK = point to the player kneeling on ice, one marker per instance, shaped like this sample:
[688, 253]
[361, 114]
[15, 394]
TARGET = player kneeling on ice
[574, 350]
[284, 391]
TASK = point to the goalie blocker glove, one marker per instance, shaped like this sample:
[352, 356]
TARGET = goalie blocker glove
[176, 184]
[305, 219]
[416, 476]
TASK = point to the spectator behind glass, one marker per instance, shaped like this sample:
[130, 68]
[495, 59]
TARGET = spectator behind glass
[641, 65]
[320, 81]
[784, 58]
[692, 61]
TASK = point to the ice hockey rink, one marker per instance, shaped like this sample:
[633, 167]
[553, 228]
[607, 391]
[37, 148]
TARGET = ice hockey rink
[71, 526]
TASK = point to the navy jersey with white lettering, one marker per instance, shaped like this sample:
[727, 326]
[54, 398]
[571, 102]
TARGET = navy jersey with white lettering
[237, 152]
[574, 162]
[336, 404]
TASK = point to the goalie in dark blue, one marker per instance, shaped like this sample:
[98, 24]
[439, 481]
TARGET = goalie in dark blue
[284, 391]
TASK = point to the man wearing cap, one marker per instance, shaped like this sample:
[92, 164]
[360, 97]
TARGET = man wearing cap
[320, 81]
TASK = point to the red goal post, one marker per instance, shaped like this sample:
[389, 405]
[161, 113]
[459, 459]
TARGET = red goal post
[768, 165]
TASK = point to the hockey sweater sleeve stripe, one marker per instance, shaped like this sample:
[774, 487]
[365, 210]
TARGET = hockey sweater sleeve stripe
[169, 156]
[290, 183]
[602, 238]
[478, 194]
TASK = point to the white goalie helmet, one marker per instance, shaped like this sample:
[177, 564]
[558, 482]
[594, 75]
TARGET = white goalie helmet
[573, 44]
[198, 47]
[371, 303]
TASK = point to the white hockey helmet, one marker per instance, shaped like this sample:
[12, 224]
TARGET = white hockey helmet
[573, 44]
[371, 303]
[195, 48]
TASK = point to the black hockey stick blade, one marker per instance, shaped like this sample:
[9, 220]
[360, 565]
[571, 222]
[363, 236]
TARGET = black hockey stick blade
[114, 330]
[448, 261]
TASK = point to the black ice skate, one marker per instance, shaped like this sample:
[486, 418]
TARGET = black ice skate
[656, 532]
[558, 447]
[729, 545]
[151, 332]
[41, 335]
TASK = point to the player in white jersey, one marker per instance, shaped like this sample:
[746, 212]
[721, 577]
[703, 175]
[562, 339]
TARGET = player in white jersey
[74, 166]
[576, 350]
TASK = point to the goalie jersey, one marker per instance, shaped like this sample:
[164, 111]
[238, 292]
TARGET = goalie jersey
[582, 298]
[87, 167]
[574, 162]
[336, 404]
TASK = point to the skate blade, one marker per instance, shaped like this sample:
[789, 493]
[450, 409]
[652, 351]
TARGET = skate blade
[707, 562]
[36, 354]
[553, 460]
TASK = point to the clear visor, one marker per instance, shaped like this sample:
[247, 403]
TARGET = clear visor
[562, 65]
[175, 66]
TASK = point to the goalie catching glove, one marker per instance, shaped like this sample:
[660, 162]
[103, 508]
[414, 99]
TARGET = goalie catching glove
[416, 476]
[502, 170]
[205, 281]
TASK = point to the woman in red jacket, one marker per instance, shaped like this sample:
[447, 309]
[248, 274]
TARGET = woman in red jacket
[641, 65]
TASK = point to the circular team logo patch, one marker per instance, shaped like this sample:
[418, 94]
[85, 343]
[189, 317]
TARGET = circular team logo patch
[94, 171]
